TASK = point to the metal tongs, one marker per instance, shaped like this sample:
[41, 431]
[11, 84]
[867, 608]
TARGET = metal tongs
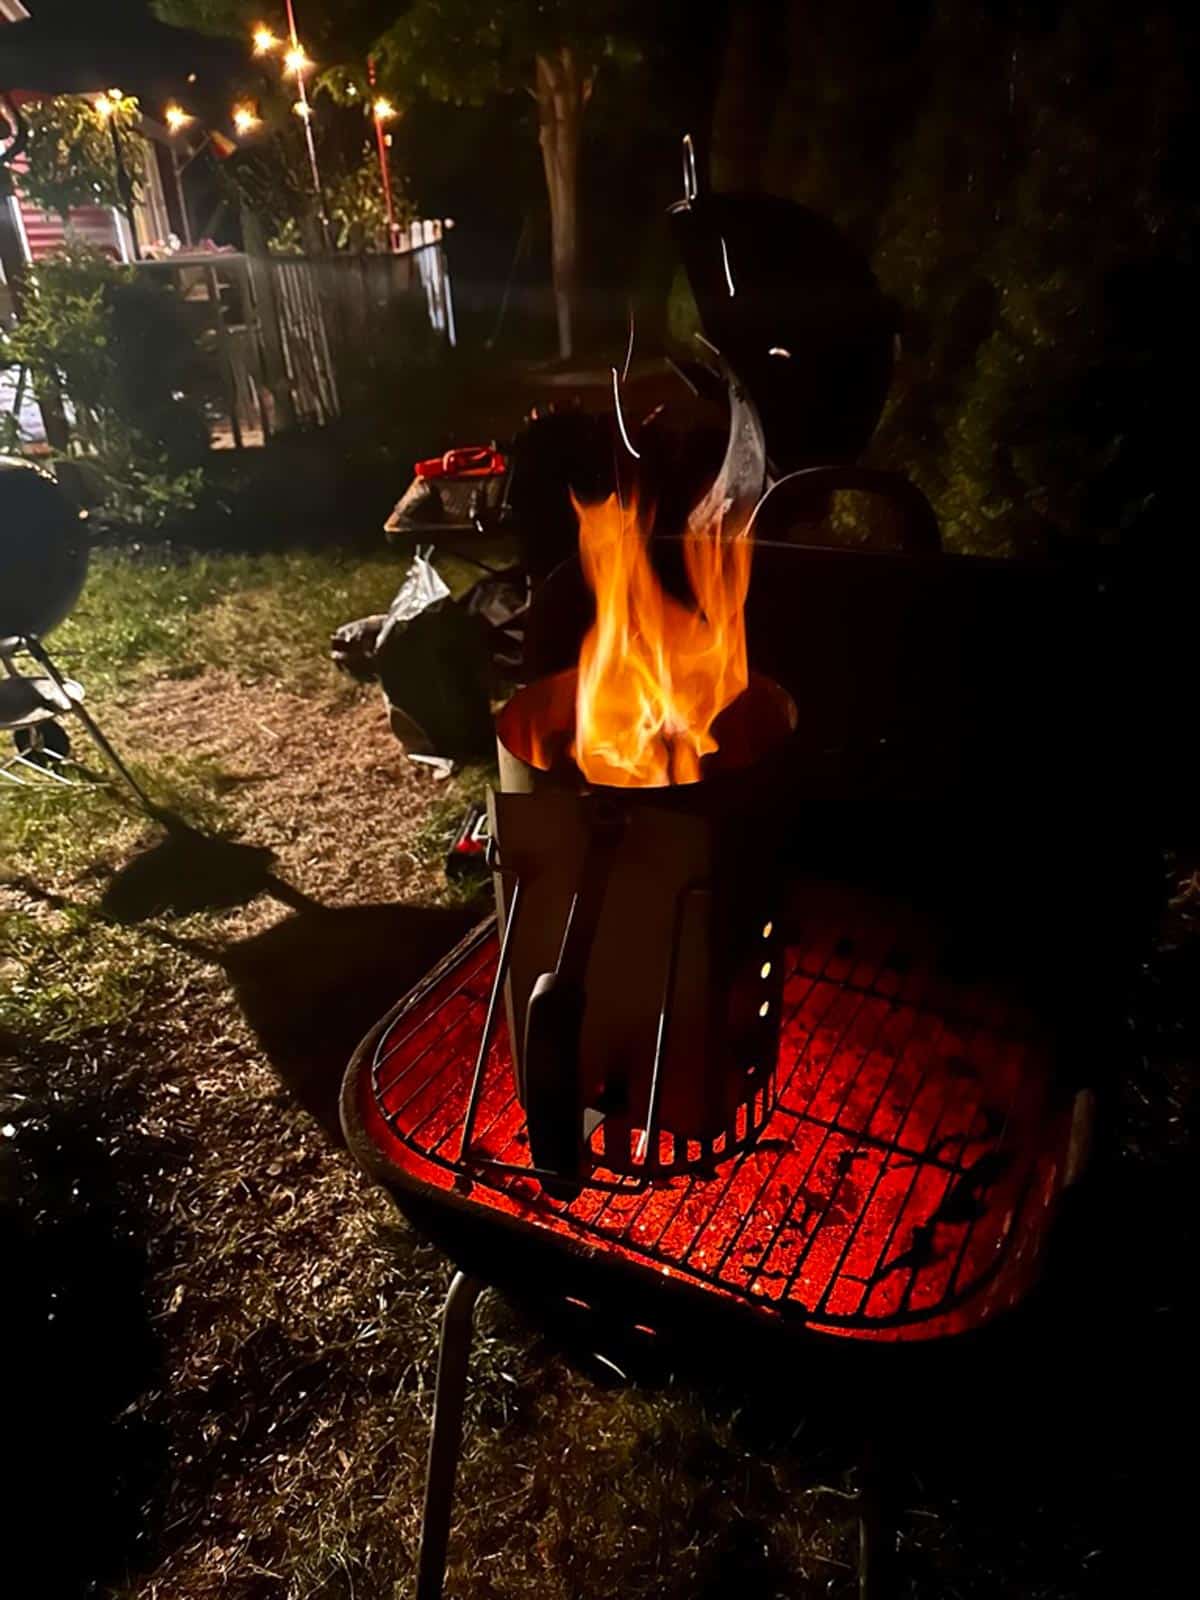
[551, 1085]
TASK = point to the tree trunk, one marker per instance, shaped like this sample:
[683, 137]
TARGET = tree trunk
[562, 92]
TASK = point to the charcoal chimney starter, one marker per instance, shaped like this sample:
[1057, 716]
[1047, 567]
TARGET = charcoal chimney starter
[644, 970]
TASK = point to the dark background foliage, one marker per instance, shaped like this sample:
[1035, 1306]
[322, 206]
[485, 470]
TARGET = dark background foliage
[1018, 172]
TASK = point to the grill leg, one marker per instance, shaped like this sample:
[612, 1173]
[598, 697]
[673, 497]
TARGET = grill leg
[39, 653]
[445, 1441]
[876, 1527]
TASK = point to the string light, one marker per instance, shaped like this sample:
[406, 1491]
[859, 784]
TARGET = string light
[244, 118]
[383, 110]
[176, 117]
[303, 110]
[106, 104]
[296, 61]
[264, 41]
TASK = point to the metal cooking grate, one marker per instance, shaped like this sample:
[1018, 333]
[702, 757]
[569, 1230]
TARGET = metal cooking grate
[899, 1183]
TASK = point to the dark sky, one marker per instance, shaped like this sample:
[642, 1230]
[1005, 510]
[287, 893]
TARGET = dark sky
[81, 45]
[93, 13]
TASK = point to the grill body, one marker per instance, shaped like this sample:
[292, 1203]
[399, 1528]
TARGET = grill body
[934, 1023]
[901, 1188]
[43, 552]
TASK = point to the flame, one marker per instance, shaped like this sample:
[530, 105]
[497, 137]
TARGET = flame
[654, 674]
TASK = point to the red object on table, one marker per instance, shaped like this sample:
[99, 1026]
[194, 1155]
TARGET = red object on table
[471, 461]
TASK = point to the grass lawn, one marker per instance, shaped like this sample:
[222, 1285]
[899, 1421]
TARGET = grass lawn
[224, 1337]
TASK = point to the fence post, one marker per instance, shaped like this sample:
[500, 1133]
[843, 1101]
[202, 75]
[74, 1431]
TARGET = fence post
[266, 312]
[214, 295]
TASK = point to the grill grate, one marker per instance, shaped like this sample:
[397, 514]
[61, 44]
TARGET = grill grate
[899, 1186]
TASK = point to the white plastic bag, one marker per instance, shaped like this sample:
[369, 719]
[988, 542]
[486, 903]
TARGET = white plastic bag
[422, 588]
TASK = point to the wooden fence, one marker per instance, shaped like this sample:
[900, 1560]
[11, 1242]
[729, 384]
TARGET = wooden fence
[284, 329]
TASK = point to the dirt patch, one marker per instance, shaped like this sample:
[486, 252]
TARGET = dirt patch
[319, 781]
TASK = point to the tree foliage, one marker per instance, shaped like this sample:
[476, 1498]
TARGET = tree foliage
[229, 19]
[271, 172]
[356, 209]
[115, 347]
[465, 50]
[462, 52]
[1016, 172]
[70, 157]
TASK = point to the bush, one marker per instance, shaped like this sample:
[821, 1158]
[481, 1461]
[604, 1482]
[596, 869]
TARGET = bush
[116, 348]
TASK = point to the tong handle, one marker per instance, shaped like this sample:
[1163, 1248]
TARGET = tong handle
[553, 1109]
[554, 1017]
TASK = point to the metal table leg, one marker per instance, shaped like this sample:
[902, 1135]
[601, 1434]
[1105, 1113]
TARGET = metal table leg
[876, 1526]
[445, 1440]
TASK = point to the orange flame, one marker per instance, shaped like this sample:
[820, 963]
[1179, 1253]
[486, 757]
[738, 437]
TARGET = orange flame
[655, 674]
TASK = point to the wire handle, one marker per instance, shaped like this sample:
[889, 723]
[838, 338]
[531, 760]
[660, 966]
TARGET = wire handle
[691, 187]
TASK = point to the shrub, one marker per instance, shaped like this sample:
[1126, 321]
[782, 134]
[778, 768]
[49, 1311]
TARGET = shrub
[114, 346]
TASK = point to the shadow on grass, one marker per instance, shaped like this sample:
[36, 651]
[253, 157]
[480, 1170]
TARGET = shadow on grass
[79, 1347]
[76, 1233]
[310, 986]
[187, 871]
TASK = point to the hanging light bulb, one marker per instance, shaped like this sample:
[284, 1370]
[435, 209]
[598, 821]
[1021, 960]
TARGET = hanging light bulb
[264, 40]
[296, 61]
[303, 110]
[383, 109]
[244, 118]
[176, 117]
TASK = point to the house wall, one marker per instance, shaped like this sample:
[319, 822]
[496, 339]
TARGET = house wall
[45, 232]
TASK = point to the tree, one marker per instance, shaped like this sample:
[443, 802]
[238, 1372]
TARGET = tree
[464, 50]
[271, 171]
[1016, 173]
[71, 157]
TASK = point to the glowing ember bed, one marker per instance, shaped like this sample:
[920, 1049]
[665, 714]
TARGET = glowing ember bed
[900, 1189]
